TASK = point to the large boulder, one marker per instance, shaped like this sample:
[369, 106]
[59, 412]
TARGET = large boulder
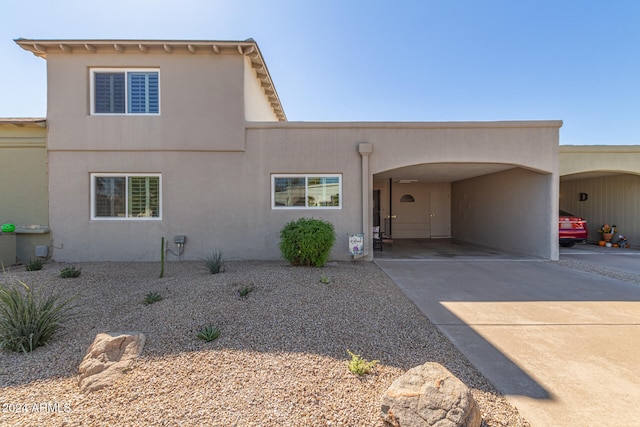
[109, 357]
[429, 395]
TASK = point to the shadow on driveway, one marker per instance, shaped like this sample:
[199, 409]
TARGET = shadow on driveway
[553, 339]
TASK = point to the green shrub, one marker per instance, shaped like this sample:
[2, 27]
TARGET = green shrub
[68, 272]
[360, 366]
[209, 333]
[324, 279]
[28, 320]
[307, 241]
[244, 291]
[34, 264]
[152, 297]
[214, 262]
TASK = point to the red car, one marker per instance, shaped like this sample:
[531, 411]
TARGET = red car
[572, 229]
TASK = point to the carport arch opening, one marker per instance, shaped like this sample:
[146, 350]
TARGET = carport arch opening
[604, 197]
[501, 206]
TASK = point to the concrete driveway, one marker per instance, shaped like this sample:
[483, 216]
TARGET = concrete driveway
[562, 344]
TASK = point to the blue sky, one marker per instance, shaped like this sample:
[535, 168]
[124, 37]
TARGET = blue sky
[352, 60]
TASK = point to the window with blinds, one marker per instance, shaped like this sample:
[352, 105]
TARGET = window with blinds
[306, 191]
[130, 196]
[125, 91]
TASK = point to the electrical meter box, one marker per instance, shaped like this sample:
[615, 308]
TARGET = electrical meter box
[179, 240]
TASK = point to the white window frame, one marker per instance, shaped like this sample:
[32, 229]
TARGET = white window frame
[92, 92]
[306, 177]
[126, 176]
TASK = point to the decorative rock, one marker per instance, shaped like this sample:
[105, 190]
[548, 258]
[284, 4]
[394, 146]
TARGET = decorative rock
[108, 358]
[429, 395]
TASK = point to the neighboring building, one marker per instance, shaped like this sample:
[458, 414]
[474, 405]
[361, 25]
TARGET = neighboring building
[602, 184]
[151, 139]
[24, 198]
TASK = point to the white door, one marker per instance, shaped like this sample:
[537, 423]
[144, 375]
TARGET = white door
[440, 214]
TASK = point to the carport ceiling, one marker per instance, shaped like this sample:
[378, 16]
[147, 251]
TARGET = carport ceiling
[442, 172]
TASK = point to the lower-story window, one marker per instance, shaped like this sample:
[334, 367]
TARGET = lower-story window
[293, 191]
[125, 196]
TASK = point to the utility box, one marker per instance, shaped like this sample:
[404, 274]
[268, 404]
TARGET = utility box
[7, 249]
[42, 251]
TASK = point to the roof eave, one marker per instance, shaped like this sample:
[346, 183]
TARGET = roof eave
[24, 121]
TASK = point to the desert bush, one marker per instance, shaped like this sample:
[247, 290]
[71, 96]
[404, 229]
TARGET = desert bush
[34, 264]
[307, 241]
[360, 366]
[214, 262]
[209, 333]
[29, 319]
[151, 297]
[244, 291]
[68, 272]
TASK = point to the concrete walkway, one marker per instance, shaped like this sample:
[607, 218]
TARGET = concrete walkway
[561, 344]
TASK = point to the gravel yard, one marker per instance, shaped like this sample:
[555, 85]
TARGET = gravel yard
[280, 360]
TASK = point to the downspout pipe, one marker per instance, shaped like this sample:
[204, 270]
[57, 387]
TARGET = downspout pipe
[365, 149]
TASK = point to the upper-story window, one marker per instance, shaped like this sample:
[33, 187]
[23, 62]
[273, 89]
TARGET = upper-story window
[125, 91]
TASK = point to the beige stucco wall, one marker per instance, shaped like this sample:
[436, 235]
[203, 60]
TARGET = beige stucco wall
[223, 199]
[530, 144]
[510, 210]
[607, 158]
[219, 200]
[256, 104]
[24, 197]
[201, 104]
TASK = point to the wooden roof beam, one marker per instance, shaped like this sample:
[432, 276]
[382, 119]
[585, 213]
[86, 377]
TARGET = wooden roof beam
[40, 49]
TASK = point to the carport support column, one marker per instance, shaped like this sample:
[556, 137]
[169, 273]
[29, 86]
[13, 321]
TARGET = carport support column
[365, 149]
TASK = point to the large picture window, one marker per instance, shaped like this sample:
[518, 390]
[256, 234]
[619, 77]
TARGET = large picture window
[115, 91]
[125, 196]
[306, 191]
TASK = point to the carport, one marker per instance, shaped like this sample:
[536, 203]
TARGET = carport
[602, 184]
[490, 184]
[472, 203]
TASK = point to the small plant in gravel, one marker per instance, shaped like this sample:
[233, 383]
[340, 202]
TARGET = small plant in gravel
[214, 262]
[70, 272]
[152, 297]
[209, 333]
[34, 264]
[244, 291]
[360, 366]
[29, 319]
[307, 241]
[324, 279]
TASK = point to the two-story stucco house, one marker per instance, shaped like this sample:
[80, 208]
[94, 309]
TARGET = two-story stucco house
[151, 139]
